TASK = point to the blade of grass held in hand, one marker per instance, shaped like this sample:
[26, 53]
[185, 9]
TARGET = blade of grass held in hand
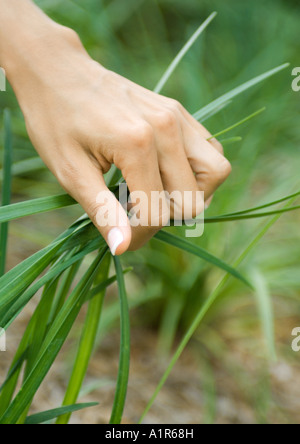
[87, 343]
[182, 53]
[7, 316]
[182, 244]
[261, 207]
[40, 328]
[247, 216]
[9, 386]
[35, 206]
[67, 278]
[17, 280]
[124, 362]
[13, 283]
[15, 369]
[52, 344]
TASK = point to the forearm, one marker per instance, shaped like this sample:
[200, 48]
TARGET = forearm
[30, 44]
[22, 25]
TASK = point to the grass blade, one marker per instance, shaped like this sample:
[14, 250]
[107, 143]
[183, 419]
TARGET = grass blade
[124, 363]
[62, 293]
[35, 206]
[40, 327]
[209, 388]
[265, 307]
[169, 323]
[6, 187]
[182, 53]
[182, 244]
[241, 122]
[208, 109]
[40, 418]
[86, 345]
[8, 315]
[17, 280]
[218, 219]
[261, 207]
[14, 370]
[13, 283]
[216, 110]
[231, 140]
[25, 166]
[52, 344]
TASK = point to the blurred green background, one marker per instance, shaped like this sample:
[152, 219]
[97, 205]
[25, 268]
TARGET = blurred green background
[243, 367]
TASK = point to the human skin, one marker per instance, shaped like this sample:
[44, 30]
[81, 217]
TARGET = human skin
[82, 118]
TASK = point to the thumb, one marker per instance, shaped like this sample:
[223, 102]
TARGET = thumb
[112, 221]
[104, 210]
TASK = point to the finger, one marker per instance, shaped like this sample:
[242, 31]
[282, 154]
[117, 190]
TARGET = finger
[208, 202]
[202, 130]
[85, 182]
[176, 173]
[140, 169]
[188, 120]
[210, 166]
[207, 136]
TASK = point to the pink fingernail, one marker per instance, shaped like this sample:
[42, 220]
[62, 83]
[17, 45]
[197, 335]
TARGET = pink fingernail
[114, 239]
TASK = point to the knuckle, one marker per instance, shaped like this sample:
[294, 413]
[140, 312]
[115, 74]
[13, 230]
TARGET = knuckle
[175, 106]
[165, 120]
[72, 36]
[217, 145]
[141, 135]
[222, 170]
[188, 204]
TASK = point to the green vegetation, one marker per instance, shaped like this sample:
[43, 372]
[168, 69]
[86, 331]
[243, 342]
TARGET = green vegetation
[247, 262]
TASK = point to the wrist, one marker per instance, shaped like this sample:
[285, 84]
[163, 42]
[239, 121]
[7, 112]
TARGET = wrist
[31, 47]
[28, 37]
[36, 62]
[20, 22]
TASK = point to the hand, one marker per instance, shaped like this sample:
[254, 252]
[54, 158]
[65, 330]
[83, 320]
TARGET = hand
[82, 118]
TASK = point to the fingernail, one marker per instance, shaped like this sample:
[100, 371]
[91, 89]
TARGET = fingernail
[114, 239]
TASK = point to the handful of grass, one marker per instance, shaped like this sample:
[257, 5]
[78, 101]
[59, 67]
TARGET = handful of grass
[56, 267]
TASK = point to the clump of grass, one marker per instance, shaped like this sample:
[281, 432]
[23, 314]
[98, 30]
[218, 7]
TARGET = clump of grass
[56, 267]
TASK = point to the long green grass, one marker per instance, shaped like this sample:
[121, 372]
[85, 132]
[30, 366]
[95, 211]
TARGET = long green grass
[73, 271]
[6, 188]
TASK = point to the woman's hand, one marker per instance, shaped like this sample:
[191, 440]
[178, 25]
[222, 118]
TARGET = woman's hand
[82, 118]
